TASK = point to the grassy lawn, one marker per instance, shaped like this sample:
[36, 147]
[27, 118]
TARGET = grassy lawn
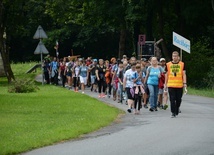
[50, 115]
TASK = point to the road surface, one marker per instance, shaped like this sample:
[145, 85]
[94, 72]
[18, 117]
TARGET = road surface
[150, 133]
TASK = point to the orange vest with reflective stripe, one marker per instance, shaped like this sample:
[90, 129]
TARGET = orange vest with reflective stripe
[175, 75]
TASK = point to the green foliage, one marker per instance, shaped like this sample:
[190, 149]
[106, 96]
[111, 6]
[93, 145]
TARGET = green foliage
[92, 28]
[198, 63]
[201, 92]
[22, 86]
[210, 78]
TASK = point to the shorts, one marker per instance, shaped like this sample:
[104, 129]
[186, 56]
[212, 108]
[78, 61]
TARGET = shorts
[83, 80]
[93, 77]
[160, 91]
[129, 95]
[69, 74]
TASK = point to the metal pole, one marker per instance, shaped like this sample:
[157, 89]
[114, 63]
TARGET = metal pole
[41, 64]
[141, 49]
[181, 54]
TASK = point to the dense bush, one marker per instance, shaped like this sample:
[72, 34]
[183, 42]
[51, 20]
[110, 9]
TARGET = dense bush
[199, 63]
[22, 86]
[209, 79]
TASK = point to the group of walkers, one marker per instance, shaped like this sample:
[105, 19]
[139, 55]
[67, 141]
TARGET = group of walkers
[135, 82]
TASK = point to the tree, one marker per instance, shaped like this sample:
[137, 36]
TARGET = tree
[3, 46]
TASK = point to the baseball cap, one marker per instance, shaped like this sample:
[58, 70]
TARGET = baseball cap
[144, 59]
[95, 60]
[162, 59]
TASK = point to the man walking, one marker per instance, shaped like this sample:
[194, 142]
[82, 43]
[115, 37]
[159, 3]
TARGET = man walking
[175, 80]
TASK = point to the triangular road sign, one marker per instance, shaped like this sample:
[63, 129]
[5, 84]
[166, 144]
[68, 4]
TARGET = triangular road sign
[40, 33]
[41, 49]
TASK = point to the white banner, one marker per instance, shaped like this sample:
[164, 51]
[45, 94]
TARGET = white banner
[181, 42]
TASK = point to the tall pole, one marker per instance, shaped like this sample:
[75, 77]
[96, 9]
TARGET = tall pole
[41, 64]
[40, 39]
[181, 54]
[141, 51]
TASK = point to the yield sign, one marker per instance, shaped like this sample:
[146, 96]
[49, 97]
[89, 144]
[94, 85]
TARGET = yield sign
[41, 49]
[40, 33]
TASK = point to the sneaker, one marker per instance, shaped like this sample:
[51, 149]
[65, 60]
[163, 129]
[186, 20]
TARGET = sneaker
[145, 106]
[165, 106]
[159, 104]
[161, 107]
[151, 109]
[173, 115]
[156, 109]
[129, 110]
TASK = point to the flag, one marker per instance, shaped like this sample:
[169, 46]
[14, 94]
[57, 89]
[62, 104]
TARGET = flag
[56, 48]
[57, 45]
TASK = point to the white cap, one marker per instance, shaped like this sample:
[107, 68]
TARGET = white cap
[162, 59]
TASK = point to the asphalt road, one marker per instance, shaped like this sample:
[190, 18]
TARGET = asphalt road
[150, 133]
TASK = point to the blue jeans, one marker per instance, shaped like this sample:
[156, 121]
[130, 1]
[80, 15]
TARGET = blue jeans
[153, 95]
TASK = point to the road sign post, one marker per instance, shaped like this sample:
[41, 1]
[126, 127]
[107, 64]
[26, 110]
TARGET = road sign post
[40, 49]
[141, 42]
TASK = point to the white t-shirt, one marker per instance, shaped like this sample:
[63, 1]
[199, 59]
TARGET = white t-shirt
[128, 76]
[76, 71]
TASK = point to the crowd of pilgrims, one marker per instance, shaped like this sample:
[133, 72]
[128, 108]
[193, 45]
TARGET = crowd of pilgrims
[137, 83]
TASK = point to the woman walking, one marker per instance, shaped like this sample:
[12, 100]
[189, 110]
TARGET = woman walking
[62, 71]
[76, 77]
[152, 77]
[69, 71]
[100, 74]
[83, 72]
[138, 79]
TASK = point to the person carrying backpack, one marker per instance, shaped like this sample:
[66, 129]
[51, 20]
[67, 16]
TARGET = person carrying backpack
[152, 78]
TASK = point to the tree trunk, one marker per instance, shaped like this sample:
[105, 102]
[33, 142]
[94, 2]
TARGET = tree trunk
[122, 43]
[161, 29]
[3, 50]
[137, 32]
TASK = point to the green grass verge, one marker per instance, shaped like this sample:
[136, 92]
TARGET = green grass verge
[50, 115]
[201, 92]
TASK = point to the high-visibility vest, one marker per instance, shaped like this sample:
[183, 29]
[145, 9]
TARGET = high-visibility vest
[175, 74]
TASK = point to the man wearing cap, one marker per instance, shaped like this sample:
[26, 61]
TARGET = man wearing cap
[124, 58]
[160, 92]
